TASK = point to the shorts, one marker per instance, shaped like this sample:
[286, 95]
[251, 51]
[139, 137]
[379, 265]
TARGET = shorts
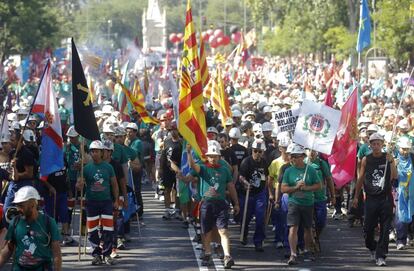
[184, 192]
[169, 181]
[300, 215]
[214, 213]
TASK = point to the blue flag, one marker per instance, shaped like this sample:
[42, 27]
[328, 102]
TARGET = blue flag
[364, 33]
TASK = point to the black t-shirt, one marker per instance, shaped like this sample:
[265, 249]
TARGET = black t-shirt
[269, 149]
[25, 157]
[230, 157]
[58, 180]
[374, 171]
[240, 152]
[119, 172]
[172, 150]
[255, 173]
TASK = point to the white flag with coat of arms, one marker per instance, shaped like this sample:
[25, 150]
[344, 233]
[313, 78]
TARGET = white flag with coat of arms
[317, 126]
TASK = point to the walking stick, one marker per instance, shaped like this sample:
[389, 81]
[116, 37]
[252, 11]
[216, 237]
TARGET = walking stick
[73, 209]
[135, 197]
[246, 201]
[81, 201]
[268, 213]
[86, 242]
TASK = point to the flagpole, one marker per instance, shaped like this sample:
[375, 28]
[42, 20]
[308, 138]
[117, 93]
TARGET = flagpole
[19, 143]
[394, 127]
[81, 200]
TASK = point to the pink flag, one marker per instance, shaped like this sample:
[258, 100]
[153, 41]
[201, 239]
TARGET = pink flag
[344, 151]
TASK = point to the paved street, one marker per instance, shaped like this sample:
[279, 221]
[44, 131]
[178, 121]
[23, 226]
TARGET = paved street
[165, 245]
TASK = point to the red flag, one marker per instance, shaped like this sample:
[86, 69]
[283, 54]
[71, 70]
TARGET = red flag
[328, 98]
[344, 151]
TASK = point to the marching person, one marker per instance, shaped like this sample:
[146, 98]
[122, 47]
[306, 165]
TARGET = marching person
[253, 173]
[32, 237]
[378, 203]
[300, 182]
[100, 180]
[215, 179]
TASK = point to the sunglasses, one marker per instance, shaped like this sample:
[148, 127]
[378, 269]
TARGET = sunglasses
[257, 151]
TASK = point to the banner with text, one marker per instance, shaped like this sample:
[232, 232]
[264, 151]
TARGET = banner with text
[286, 120]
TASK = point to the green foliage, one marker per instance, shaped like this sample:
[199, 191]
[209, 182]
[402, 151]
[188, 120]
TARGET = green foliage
[395, 29]
[340, 41]
[29, 25]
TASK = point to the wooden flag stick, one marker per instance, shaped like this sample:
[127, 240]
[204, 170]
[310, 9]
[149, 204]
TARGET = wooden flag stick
[246, 201]
[81, 200]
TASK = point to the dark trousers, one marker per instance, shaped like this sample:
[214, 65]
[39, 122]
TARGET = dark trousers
[377, 209]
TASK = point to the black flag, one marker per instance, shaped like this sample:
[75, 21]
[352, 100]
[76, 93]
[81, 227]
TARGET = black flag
[84, 118]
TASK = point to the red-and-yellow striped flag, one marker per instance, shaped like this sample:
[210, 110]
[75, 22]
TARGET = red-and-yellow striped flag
[219, 99]
[137, 105]
[205, 75]
[191, 119]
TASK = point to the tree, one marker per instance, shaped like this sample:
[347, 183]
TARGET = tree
[29, 25]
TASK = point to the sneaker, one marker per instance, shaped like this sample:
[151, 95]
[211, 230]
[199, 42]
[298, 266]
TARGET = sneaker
[228, 262]
[156, 195]
[381, 262]
[197, 238]
[308, 256]
[244, 241]
[161, 198]
[232, 221]
[292, 260]
[279, 245]
[120, 244]
[166, 215]
[109, 260]
[207, 260]
[259, 248]
[372, 255]
[400, 246]
[392, 236]
[114, 254]
[97, 260]
[67, 240]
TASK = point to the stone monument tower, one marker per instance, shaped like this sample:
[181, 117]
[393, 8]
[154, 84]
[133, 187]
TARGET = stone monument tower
[154, 28]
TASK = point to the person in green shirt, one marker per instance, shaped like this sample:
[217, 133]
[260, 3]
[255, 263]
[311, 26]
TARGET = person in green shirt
[134, 142]
[100, 181]
[324, 174]
[32, 237]
[215, 179]
[300, 182]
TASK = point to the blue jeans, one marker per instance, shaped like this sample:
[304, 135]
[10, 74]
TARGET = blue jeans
[320, 215]
[256, 205]
[279, 216]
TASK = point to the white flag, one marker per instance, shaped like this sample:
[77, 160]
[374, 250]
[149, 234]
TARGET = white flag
[317, 126]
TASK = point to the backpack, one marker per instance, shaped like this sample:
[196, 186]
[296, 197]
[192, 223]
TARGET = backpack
[16, 221]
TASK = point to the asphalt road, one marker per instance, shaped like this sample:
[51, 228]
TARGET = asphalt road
[166, 245]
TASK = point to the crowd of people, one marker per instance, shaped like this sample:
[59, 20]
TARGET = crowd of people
[253, 171]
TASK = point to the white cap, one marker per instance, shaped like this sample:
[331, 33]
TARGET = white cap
[132, 125]
[404, 142]
[96, 145]
[28, 135]
[297, 149]
[267, 127]
[403, 124]
[212, 130]
[376, 136]
[25, 193]
[235, 133]
[72, 132]
[213, 148]
[259, 144]
[108, 145]
[236, 114]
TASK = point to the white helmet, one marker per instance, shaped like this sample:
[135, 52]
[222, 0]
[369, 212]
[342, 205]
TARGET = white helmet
[259, 144]
[212, 130]
[108, 129]
[32, 118]
[12, 117]
[28, 135]
[98, 113]
[235, 133]
[284, 142]
[62, 101]
[229, 122]
[290, 147]
[15, 126]
[107, 109]
[236, 107]
[25, 193]
[275, 132]
[297, 149]
[213, 148]
[5, 138]
[267, 109]
[108, 145]
[372, 127]
[404, 142]
[267, 127]
[257, 127]
[236, 114]
[72, 132]
[96, 145]
[403, 124]
[120, 131]
[132, 125]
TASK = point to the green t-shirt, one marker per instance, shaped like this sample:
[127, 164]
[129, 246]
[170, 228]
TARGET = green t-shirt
[98, 180]
[119, 154]
[136, 145]
[31, 239]
[72, 155]
[364, 150]
[213, 179]
[323, 171]
[64, 114]
[292, 175]
[129, 153]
